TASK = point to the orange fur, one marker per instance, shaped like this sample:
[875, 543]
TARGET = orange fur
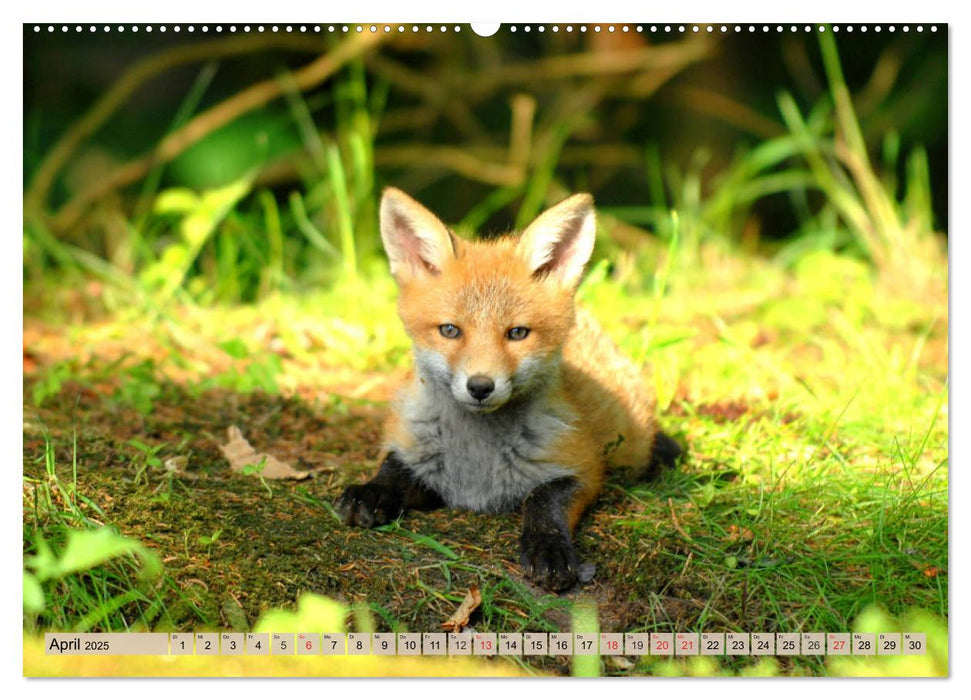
[488, 287]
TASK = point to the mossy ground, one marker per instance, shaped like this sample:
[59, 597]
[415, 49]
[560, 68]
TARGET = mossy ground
[814, 483]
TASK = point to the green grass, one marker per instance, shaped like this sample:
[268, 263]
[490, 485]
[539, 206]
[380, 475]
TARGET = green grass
[815, 485]
[80, 574]
[808, 381]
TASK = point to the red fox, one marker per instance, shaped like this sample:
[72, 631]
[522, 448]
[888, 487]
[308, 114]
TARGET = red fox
[518, 399]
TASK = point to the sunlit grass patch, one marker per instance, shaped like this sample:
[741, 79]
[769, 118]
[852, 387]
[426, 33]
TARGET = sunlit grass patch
[784, 290]
[815, 481]
[80, 573]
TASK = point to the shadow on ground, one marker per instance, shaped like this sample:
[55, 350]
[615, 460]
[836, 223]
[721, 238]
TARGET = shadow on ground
[236, 546]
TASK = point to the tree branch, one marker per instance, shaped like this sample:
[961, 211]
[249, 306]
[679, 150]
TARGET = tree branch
[35, 199]
[217, 116]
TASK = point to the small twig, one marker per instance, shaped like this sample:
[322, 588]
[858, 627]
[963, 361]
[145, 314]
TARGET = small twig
[462, 161]
[687, 563]
[436, 93]
[728, 110]
[478, 163]
[521, 131]
[590, 64]
[881, 83]
[645, 84]
[744, 599]
[404, 118]
[795, 56]
[677, 525]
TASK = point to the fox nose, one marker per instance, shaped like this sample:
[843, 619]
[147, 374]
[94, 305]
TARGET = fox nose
[480, 386]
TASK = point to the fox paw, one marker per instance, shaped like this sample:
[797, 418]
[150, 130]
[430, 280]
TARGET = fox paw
[369, 505]
[549, 560]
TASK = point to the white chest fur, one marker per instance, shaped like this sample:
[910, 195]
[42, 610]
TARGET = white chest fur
[480, 461]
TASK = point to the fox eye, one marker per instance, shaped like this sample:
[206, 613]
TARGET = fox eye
[449, 331]
[517, 333]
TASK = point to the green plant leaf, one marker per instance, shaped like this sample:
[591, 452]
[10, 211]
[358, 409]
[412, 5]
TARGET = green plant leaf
[585, 620]
[178, 200]
[33, 594]
[235, 348]
[86, 549]
[314, 613]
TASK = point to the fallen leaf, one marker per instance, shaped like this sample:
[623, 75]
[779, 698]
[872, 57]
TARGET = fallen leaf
[620, 663]
[460, 618]
[177, 467]
[930, 572]
[736, 533]
[176, 464]
[243, 459]
[30, 362]
[763, 337]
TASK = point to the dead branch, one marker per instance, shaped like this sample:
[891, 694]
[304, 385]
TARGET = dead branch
[636, 74]
[521, 131]
[435, 93]
[484, 164]
[590, 64]
[724, 108]
[468, 162]
[881, 82]
[137, 75]
[205, 123]
[677, 525]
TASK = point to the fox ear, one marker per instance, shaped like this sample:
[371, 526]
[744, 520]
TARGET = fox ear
[560, 241]
[414, 238]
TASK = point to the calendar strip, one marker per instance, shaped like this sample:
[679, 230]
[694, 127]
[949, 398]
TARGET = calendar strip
[663, 644]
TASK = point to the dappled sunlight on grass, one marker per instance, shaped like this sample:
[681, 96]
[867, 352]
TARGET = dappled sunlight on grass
[815, 481]
[767, 250]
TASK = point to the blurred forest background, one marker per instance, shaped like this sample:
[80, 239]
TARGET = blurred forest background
[729, 130]
[201, 250]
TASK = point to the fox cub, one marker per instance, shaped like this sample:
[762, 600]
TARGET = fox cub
[518, 399]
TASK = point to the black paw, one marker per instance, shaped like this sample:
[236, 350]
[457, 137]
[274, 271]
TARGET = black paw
[369, 505]
[549, 560]
[666, 452]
